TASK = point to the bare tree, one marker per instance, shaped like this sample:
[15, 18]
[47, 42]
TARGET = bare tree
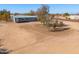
[42, 13]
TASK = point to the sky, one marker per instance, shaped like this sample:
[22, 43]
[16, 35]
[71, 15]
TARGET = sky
[53, 8]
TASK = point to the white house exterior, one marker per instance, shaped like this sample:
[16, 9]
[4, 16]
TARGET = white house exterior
[72, 17]
[75, 17]
[23, 18]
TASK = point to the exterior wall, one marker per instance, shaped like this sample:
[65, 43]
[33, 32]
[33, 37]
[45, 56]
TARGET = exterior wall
[76, 17]
[60, 17]
[22, 18]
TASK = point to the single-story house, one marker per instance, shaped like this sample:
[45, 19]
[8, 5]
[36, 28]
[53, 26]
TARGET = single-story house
[23, 18]
[72, 17]
[75, 17]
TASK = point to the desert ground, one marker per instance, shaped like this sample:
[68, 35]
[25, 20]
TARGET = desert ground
[33, 37]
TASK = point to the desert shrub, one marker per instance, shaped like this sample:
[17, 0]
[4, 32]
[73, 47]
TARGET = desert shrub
[66, 15]
[61, 24]
[4, 15]
[55, 23]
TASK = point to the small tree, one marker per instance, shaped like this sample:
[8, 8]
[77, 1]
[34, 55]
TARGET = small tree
[42, 13]
[32, 13]
[66, 15]
[46, 19]
[4, 15]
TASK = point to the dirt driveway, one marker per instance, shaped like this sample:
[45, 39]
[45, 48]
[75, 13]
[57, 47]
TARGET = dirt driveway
[33, 37]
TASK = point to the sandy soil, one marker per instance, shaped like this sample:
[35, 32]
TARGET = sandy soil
[33, 37]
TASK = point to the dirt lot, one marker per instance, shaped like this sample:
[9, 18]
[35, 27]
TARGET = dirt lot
[33, 37]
